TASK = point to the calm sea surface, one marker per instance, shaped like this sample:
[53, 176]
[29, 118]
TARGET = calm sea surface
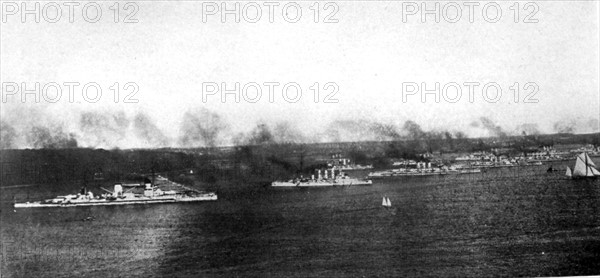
[505, 222]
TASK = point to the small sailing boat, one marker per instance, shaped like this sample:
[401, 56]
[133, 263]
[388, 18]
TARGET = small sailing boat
[386, 202]
[584, 168]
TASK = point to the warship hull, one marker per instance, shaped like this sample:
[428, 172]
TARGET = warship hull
[388, 174]
[321, 183]
[106, 202]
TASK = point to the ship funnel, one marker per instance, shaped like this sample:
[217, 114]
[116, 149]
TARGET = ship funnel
[118, 190]
[319, 174]
[326, 173]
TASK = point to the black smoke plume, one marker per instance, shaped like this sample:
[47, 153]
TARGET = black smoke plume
[260, 135]
[40, 137]
[285, 133]
[413, 130]
[492, 128]
[103, 129]
[527, 129]
[565, 126]
[360, 130]
[147, 131]
[202, 128]
[7, 136]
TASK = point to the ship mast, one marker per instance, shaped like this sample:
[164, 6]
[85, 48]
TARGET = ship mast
[153, 177]
[301, 161]
[586, 165]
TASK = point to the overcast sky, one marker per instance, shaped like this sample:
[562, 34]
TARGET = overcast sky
[368, 53]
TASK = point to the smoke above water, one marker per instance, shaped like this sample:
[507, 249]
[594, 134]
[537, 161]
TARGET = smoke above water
[527, 129]
[103, 129]
[145, 129]
[565, 126]
[40, 137]
[576, 126]
[204, 128]
[361, 130]
[281, 133]
[7, 135]
[489, 127]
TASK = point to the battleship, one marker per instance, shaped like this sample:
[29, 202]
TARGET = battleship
[151, 195]
[428, 171]
[344, 164]
[341, 179]
[355, 167]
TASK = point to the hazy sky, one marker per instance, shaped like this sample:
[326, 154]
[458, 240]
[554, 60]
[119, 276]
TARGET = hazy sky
[369, 53]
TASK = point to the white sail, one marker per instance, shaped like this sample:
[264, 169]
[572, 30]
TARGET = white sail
[588, 160]
[580, 168]
[568, 173]
[389, 204]
[593, 171]
[384, 203]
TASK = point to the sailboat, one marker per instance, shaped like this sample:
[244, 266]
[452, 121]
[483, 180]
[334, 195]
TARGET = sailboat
[584, 168]
[569, 173]
[386, 202]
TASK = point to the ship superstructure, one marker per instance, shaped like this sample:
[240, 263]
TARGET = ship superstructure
[151, 195]
[423, 169]
[329, 178]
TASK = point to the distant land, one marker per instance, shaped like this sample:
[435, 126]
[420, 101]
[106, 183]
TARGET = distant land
[260, 162]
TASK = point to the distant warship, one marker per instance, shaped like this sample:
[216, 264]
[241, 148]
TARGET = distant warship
[151, 195]
[334, 180]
